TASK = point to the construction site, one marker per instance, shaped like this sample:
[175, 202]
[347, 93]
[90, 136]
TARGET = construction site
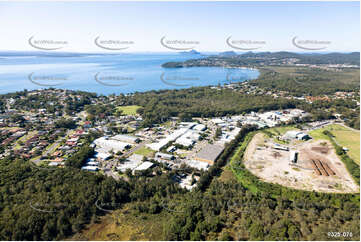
[306, 165]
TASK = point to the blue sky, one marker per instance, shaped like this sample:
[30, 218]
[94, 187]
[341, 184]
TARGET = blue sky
[209, 23]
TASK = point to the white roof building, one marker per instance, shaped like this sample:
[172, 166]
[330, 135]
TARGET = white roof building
[132, 162]
[171, 149]
[198, 164]
[125, 138]
[90, 168]
[158, 145]
[296, 112]
[218, 121]
[295, 134]
[127, 165]
[145, 165]
[107, 145]
[92, 163]
[185, 141]
[135, 158]
[164, 156]
[102, 155]
[188, 125]
[162, 142]
[188, 138]
[199, 127]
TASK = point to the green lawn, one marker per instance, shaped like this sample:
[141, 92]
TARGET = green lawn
[344, 137]
[144, 151]
[281, 130]
[126, 225]
[129, 110]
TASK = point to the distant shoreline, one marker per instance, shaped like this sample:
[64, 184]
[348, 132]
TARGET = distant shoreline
[111, 74]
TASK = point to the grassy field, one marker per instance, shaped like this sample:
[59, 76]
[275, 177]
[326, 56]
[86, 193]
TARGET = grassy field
[344, 137]
[145, 151]
[122, 225]
[281, 130]
[227, 175]
[129, 110]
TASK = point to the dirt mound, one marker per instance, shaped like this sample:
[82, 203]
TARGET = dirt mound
[321, 149]
[276, 154]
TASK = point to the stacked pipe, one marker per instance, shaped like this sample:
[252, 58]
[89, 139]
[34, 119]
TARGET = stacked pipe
[315, 168]
[322, 169]
[328, 168]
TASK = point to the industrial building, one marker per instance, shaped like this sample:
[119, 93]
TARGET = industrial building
[135, 158]
[164, 156]
[187, 125]
[200, 165]
[127, 165]
[144, 166]
[131, 163]
[188, 139]
[295, 134]
[200, 127]
[126, 138]
[163, 142]
[218, 121]
[228, 136]
[209, 153]
[105, 144]
[171, 149]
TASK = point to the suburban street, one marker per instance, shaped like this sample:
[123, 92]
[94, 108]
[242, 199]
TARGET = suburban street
[52, 148]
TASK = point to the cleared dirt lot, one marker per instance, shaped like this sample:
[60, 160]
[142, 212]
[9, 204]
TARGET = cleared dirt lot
[273, 165]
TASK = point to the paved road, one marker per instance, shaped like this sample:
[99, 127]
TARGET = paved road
[134, 149]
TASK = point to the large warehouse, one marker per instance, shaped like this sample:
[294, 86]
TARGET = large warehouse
[104, 144]
[126, 138]
[209, 153]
